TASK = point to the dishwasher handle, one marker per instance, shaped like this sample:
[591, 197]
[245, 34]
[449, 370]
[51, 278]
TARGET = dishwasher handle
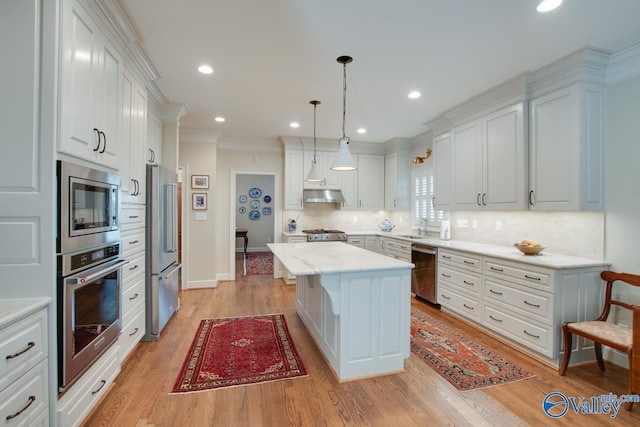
[424, 250]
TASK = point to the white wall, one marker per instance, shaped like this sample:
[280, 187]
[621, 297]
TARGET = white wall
[259, 231]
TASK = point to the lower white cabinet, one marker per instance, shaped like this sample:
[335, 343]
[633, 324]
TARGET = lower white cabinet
[519, 301]
[396, 248]
[374, 244]
[75, 404]
[356, 241]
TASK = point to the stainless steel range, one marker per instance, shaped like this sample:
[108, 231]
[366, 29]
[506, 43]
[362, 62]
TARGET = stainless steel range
[322, 235]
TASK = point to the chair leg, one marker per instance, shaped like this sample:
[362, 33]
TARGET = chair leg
[629, 405]
[598, 348]
[567, 350]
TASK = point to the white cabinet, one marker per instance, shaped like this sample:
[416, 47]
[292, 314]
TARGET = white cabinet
[489, 162]
[324, 160]
[374, 244]
[357, 241]
[134, 123]
[397, 181]
[443, 172]
[396, 248]
[89, 89]
[153, 153]
[566, 149]
[363, 189]
[24, 378]
[293, 179]
[525, 303]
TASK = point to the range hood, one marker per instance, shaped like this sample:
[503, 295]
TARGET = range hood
[323, 196]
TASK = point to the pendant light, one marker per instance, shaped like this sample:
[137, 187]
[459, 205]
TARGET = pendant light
[344, 161]
[314, 174]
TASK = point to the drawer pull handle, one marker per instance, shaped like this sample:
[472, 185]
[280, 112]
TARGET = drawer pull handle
[469, 262]
[496, 269]
[445, 275]
[444, 296]
[531, 335]
[446, 257]
[494, 292]
[31, 400]
[466, 306]
[494, 318]
[136, 296]
[29, 346]
[134, 242]
[468, 283]
[102, 383]
[531, 277]
[133, 268]
[531, 304]
[133, 216]
[134, 332]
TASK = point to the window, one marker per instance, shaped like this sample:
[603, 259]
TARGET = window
[423, 192]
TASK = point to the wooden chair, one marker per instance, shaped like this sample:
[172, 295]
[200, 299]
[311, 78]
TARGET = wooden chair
[602, 332]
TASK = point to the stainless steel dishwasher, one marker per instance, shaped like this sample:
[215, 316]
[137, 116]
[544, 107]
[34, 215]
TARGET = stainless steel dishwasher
[423, 278]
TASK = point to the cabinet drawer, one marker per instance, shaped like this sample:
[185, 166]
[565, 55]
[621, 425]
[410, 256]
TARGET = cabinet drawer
[537, 337]
[464, 281]
[466, 306]
[23, 401]
[132, 217]
[463, 260]
[22, 345]
[527, 275]
[523, 300]
[132, 331]
[132, 241]
[132, 295]
[356, 241]
[134, 268]
[398, 246]
[296, 239]
[80, 399]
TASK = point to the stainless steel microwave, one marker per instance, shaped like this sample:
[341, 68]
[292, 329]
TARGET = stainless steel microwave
[88, 207]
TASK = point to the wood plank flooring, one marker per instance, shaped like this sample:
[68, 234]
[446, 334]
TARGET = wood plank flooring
[418, 397]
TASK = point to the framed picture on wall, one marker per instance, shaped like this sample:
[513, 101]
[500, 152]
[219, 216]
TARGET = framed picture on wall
[199, 201]
[200, 181]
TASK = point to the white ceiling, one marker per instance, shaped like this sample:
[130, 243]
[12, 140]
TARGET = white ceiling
[271, 57]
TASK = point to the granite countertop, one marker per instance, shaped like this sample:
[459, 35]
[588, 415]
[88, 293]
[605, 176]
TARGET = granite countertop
[545, 259]
[306, 258]
[15, 309]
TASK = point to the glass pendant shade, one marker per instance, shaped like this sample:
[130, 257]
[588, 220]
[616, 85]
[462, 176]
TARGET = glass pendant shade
[314, 174]
[344, 161]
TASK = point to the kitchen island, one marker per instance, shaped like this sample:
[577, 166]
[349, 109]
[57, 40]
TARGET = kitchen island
[356, 305]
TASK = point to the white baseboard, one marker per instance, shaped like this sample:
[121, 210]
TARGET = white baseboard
[199, 284]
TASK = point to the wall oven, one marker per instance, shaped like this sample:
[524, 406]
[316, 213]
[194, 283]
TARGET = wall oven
[89, 307]
[88, 207]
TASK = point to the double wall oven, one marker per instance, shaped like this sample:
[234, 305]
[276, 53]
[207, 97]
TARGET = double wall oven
[89, 265]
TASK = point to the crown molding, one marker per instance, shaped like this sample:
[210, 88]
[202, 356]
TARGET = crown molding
[172, 112]
[624, 64]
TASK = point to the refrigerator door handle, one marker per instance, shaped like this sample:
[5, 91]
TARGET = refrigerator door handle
[176, 269]
[170, 215]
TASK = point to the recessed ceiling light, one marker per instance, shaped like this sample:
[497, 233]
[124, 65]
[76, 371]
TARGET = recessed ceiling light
[294, 124]
[548, 5]
[220, 119]
[205, 69]
[362, 130]
[414, 94]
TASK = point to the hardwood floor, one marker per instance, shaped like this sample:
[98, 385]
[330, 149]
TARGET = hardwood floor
[417, 397]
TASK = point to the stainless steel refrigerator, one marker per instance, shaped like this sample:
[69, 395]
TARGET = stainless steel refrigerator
[162, 266]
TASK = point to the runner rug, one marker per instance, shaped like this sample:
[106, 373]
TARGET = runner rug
[258, 263]
[238, 351]
[462, 361]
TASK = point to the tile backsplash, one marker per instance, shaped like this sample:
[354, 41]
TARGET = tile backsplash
[568, 233]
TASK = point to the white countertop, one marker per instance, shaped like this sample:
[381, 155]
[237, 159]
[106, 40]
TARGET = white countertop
[301, 259]
[545, 259]
[15, 309]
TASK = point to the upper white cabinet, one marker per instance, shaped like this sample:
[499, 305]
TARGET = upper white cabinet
[397, 181]
[134, 123]
[90, 90]
[443, 173]
[293, 179]
[363, 189]
[153, 153]
[489, 162]
[566, 149]
[324, 160]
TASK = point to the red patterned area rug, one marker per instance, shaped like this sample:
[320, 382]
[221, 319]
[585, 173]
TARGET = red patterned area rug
[258, 263]
[238, 351]
[462, 361]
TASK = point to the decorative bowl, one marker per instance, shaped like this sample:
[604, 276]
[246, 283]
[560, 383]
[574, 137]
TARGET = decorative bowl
[529, 250]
